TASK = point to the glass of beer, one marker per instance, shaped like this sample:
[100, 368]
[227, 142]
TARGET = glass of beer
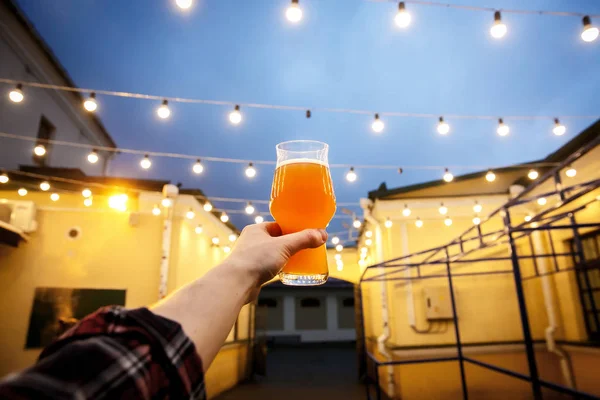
[301, 198]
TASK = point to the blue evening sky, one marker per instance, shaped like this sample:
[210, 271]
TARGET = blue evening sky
[344, 54]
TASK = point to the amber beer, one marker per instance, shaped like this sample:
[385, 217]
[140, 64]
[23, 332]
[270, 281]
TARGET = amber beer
[302, 197]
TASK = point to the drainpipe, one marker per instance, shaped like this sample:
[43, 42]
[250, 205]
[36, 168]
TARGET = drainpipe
[383, 338]
[410, 299]
[169, 192]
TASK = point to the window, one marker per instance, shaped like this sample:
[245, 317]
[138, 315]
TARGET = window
[348, 302]
[269, 303]
[310, 302]
[45, 132]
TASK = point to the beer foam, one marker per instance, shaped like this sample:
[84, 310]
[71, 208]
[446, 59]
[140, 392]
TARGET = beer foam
[301, 161]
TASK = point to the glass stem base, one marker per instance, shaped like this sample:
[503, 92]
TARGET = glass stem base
[302, 280]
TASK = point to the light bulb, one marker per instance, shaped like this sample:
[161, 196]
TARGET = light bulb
[377, 124]
[226, 249]
[448, 221]
[190, 214]
[356, 223]
[90, 103]
[198, 229]
[477, 207]
[448, 177]
[87, 202]
[156, 210]
[232, 237]
[490, 176]
[498, 30]
[235, 117]
[22, 192]
[118, 202]
[93, 157]
[259, 219]
[476, 220]
[542, 201]
[86, 193]
[559, 129]
[207, 206]
[443, 209]
[388, 222]
[590, 32]
[215, 240]
[250, 171]
[528, 218]
[532, 174]
[39, 150]
[198, 168]
[166, 202]
[406, 212]
[45, 186]
[339, 248]
[351, 175]
[224, 217]
[419, 222]
[184, 4]
[249, 208]
[402, 17]
[571, 172]
[146, 163]
[4, 178]
[369, 234]
[502, 129]
[54, 196]
[364, 250]
[337, 257]
[442, 127]
[368, 242]
[294, 12]
[335, 240]
[16, 95]
[163, 111]
[339, 265]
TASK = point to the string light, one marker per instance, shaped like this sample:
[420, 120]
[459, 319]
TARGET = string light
[533, 174]
[448, 177]
[224, 217]
[443, 209]
[351, 175]
[45, 186]
[402, 17]
[54, 196]
[442, 127]
[477, 207]
[90, 103]
[528, 218]
[335, 240]
[39, 150]
[184, 4]
[406, 212]
[215, 240]
[156, 210]
[235, 117]
[340, 265]
[87, 202]
[226, 249]
[369, 234]
[356, 223]
[198, 229]
[190, 214]
[4, 178]
[476, 220]
[86, 193]
[22, 192]
[259, 219]
[249, 208]
[364, 250]
[502, 129]
[377, 124]
[337, 257]
[166, 202]
[250, 171]
[490, 176]
[388, 223]
[590, 32]
[419, 222]
[294, 12]
[448, 221]
[93, 157]
[559, 129]
[146, 163]
[368, 242]
[118, 202]
[207, 206]
[339, 248]
[163, 110]
[498, 30]
[542, 201]
[197, 168]
[571, 172]
[232, 237]
[16, 95]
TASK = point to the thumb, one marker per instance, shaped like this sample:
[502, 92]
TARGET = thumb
[306, 239]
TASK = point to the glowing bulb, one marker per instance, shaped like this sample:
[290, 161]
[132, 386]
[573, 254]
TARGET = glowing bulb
[54, 196]
[87, 202]
[542, 201]
[340, 265]
[249, 208]
[368, 242]
[22, 192]
[16, 95]
[527, 218]
[448, 177]
[337, 257]
[197, 168]
[226, 249]
[339, 248]
[146, 163]
[532, 174]
[235, 117]
[215, 240]
[498, 30]
[166, 202]
[477, 207]
[39, 150]
[442, 127]
[184, 4]
[571, 172]
[590, 32]
[351, 175]
[490, 176]
[4, 178]
[388, 222]
[335, 240]
[118, 202]
[406, 212]
[443, 209]
[259, 219]
[163, 111]
[93, 157]
[250, 171]
[369, 234]
[45, 186]
[502, 129]
[377, 124]
[402, 18]
[559, 129]
[419, 222]
[207, 206]
[476, 220]
[356, 223]
[448, 221]
[364, 250]
[232, 237]
[86, 193]
[156, 210]
[198, 229]
[90, 103]
[190, 214]
[224, 217]
[294, 12]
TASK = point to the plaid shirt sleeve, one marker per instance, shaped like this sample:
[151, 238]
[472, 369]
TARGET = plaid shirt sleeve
[114, 353]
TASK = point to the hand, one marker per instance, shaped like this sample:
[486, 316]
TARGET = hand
[261, 251]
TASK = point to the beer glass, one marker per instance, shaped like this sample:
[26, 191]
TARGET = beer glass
[302, 197]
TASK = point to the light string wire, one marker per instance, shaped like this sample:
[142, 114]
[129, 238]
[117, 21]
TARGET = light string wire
[284, 107]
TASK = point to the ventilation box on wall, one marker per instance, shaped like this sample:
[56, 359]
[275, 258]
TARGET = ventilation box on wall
[19, 214]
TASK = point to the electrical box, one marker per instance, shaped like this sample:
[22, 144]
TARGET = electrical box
[438, 304]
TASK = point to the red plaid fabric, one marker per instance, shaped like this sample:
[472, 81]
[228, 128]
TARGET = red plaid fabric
[114, 353]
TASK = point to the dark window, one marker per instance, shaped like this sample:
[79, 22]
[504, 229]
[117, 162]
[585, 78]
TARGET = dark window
[270, 303]
[348, 302]
[45, 132]
[310, 302]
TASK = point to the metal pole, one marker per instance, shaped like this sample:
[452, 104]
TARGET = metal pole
[377, 388]
[456, 330]
[533, 372]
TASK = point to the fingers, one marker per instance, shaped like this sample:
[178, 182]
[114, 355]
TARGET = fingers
[272, 228]
[306, 239]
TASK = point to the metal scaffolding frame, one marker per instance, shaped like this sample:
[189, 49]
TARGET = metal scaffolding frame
[560, 216]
